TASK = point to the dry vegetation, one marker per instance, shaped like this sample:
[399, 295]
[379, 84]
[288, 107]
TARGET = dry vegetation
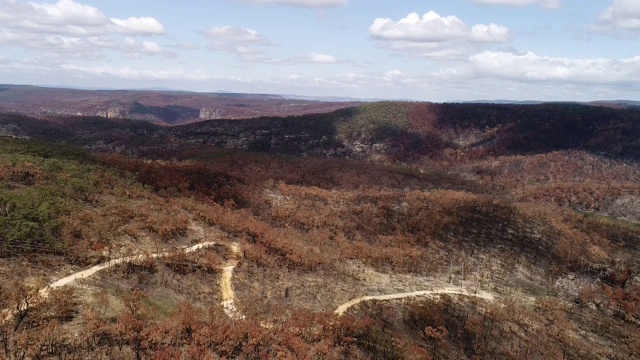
[550, 235]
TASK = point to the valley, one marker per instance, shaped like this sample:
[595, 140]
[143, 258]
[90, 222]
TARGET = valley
[389, 230]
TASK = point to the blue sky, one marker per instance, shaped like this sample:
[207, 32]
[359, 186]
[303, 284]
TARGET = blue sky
[403, 49]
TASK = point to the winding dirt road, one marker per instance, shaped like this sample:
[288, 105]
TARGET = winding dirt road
[450, 290]
[44, 292]
[226, 287]
[228, 295]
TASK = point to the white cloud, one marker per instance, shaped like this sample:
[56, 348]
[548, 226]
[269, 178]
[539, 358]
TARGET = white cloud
[33, 66]
[435, 36]
[58, 45]
[430, 28]
[128, 73]
[529, 76]
[368, 83]
[247, 54]
[134, 74]
[184, 46]
[138, 26]
[302, 3]
[151, 47]
[395, 73]
[70, 18]
[134, 49]
[254, 56]
[622, 15]
[361, 82]
[530, 67]
[242, 42]
[439, 51]
[489, 33]
[394, 76]
[68, 29]
[238, 41]
[235, 35]
[488, 75]
[129, 43]
[318, 58]
[549, 4]
[61, 13]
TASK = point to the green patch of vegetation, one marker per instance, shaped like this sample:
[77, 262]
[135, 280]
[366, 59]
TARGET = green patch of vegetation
[616, 230]
[43, 150]
[379, 120]
[39, 185]
[137, 108]
[31, 221]
[606, 220]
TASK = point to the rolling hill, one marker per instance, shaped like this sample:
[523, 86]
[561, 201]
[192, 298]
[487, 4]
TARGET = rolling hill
[390, 230]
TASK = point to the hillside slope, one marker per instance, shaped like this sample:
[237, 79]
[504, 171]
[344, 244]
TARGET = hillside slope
[511, 243]
[387, 131]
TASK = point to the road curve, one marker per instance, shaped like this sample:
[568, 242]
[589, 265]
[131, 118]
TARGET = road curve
[44, 292]
[92, 270]
[446, 290]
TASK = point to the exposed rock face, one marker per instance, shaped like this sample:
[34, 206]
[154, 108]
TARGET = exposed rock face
[627, 207]
[116, 113]
[211, 114]
[365, 150]
[111, 113]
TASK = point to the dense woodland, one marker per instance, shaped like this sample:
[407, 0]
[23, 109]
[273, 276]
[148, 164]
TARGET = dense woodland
[536, 205]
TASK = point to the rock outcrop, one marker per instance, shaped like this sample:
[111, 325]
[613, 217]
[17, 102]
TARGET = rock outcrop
[111, 113]
[116, 113]
[211, 114]
[626, 207]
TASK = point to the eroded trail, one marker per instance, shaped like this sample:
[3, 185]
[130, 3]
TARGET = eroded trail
[450, 290]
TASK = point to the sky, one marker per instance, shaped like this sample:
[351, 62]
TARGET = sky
[427, 50]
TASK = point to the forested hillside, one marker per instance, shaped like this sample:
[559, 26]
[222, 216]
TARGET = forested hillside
[386, 131]
[384, 231]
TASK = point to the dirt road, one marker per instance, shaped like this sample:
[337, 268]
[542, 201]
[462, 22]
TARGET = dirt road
[226, 287]
[91, 271]
[228, 295]
[445, 290]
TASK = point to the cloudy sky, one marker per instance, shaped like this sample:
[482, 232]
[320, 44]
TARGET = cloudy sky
[435, 50]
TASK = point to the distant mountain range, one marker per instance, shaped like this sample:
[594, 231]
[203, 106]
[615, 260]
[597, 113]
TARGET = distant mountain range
[330, 98]
[174, 107]
[166, 107]
[609, 103]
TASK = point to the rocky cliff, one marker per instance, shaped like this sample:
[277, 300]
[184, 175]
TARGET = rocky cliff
[211, 114]
[116, 113]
